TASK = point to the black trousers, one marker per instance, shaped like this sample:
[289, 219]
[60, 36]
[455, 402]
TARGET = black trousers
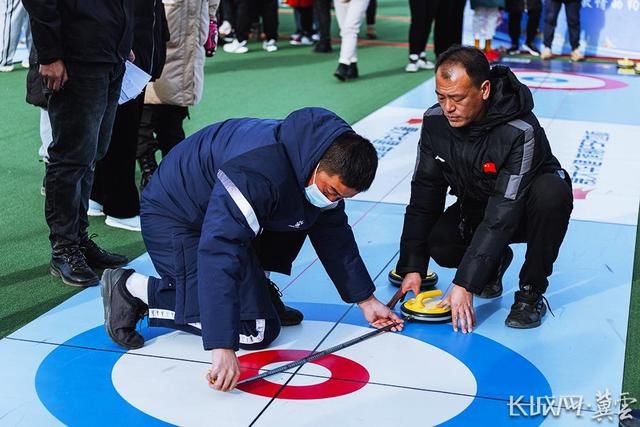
[448, 27]
[422, 14]
[371, 12]
[515, 22]
[572, 12]
[82, 115]
[160, 128]
[114, 185]
[543, 226]
[322, 11]
[267, 9]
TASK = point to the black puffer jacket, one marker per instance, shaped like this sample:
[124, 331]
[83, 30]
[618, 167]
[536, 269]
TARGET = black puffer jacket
[489, 166]
[81, 30]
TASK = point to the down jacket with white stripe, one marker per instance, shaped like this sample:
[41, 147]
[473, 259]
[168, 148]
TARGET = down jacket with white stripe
[488, 166]
[231, 180]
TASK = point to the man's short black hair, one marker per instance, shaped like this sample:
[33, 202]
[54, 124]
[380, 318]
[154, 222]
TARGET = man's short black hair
[471, 59]
[353, 158]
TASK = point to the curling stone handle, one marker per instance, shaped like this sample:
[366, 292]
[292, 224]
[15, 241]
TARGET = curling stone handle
[426, 295]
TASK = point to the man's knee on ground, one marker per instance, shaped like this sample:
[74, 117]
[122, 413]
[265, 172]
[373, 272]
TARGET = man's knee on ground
[258, 334]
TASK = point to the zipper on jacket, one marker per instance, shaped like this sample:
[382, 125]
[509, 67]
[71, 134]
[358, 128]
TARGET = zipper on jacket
[153, 36]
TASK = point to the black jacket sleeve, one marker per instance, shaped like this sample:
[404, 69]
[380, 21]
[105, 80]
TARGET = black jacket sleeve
[503, 212]
[46, 27]
[428, 193]
[333, 240]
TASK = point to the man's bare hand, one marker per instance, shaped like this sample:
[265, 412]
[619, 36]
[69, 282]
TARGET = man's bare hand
[225, 369]
[411, 282]
[461, 302]
[379, 315]
[54, 75]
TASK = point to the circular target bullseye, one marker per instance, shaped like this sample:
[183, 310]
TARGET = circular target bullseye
[565, 81]
[339, 367]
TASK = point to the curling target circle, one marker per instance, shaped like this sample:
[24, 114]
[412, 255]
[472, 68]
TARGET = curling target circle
[536, 79]
[79, 386]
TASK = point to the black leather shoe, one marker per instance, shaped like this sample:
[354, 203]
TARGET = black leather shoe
[493, 289]
[342, 72]
[69, 264]
[323, 46]
[122, 311]
[98, 258]
[352, 72]
[528, 309]
[288, 316]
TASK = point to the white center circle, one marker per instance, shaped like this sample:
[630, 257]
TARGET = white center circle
[404, 372]
[309, 374]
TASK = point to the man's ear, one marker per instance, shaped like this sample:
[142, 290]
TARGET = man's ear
[486, 89]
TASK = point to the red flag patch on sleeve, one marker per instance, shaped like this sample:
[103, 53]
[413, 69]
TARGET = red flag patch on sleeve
[489, 167]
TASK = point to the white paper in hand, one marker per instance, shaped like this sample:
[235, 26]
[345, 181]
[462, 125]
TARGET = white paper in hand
[133, 82]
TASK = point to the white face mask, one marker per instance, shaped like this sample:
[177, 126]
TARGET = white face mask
[316, 197]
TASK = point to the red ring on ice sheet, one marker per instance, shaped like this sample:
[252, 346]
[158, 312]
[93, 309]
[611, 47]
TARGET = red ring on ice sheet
[347, 376]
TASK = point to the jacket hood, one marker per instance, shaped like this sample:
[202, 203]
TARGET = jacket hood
[306, 134]
[509, 98]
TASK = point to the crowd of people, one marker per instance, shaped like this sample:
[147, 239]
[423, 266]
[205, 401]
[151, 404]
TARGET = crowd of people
[217, 218]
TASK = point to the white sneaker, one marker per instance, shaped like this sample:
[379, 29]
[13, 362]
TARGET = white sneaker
[131, 224]
[6, 68]
[301, 41]
[270, 45]
[546, 54]
[424, 64]
[225, 29]
[236, 47]
[576, 55]
[25, 63]
[412, 67]
[95, 209]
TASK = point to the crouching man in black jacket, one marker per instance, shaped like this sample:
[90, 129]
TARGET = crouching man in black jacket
[483, 141]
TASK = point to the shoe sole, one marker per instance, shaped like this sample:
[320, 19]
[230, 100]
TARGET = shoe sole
[106, 292]
[93, 212]
[57, 273]
[115, 224]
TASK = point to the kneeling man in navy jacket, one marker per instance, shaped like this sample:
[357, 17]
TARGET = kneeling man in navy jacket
[230, 204]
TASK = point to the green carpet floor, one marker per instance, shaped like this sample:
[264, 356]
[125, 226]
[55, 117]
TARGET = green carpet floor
[256, 84]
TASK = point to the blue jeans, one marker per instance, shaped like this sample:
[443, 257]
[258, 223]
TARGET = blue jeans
[82, 115]
[572, 12]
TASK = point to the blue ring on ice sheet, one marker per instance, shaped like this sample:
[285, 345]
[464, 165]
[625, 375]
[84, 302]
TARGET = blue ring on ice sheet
[80, 391]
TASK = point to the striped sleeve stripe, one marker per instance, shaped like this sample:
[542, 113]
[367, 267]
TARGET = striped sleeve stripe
[527, 158]
[240, 201]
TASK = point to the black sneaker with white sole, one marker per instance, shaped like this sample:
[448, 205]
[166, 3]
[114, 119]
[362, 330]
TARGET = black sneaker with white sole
[493, 289]
[528, 309]
[288, 316]
[122, 311]
[70, 265]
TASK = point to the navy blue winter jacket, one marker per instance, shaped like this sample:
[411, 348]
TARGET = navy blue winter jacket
[231, 180]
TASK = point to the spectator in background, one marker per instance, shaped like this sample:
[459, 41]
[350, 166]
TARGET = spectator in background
[245, 9]
[448, 27]
[303, 15]
[36, 97]
[572, 12]
[322, 12]
[349, 15]
[82, 46]
[167, 100]
[114, 192]
[372, 9]
[422, 14]
[515, 9]
[486, 17]
[14, 20]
